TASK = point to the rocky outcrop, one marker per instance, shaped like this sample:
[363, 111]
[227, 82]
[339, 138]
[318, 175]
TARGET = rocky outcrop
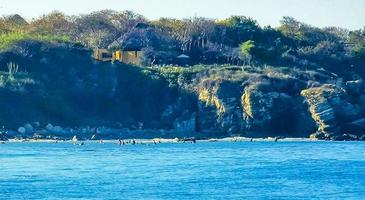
[274, 112]
[220, 108]
[259, 109]
[3, 137]
[331, 109]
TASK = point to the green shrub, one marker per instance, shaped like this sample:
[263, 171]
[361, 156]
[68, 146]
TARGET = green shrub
[9, 39]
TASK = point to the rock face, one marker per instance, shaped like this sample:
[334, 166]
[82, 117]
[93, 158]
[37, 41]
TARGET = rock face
[220, 109]
[3, 137]
[272, 111]
[331, 109]
[187, 126]
[253, 110]
[270, 108]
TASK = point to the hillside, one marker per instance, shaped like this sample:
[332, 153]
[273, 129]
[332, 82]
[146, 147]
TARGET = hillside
[291, 81]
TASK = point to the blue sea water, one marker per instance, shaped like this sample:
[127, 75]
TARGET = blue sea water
[259, 170]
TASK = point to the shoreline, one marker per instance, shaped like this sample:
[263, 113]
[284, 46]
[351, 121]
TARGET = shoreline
[166, 140]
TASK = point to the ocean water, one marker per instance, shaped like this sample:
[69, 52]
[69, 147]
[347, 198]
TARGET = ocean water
[259, 170]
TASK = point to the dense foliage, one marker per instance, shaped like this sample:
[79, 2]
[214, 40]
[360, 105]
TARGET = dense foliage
[237, 40]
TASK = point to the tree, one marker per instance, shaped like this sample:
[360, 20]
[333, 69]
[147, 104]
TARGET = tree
[12, 23]
[235, 30]
[357, 40]
[246, 51]
[96, 30]
[54, 23]
[126, 20]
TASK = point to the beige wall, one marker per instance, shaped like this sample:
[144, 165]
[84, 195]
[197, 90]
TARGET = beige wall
[128, 57]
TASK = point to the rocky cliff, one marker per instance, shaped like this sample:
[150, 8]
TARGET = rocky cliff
[335, 112]
[60, 92]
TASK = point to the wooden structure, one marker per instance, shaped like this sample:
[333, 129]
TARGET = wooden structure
[124, 56]
[103, 55]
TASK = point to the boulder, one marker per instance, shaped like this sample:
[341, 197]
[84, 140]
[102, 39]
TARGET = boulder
[29, 128]
[345, 137]
[354, 87]
[49, 127]
[57, 130]
[22, 130]
[12, 134]
[36, 124]
[38, 136]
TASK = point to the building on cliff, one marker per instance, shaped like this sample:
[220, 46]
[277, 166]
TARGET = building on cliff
[127, 56]
[128, 47]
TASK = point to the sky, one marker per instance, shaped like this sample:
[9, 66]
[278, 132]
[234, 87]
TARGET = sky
[348, 14]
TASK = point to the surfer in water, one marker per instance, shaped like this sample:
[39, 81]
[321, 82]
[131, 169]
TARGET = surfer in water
[74, 140]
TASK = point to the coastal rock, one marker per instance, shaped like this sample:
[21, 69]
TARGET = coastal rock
[29, 128]
[39, 136]
[257, 109]
[3, 137]
[355, 87]
[330, 108]
[22, 130]
[12, 134]
[220, 107]
[345, 137]
[49, 127]
[271, 111]
[57, 129]
[36, 124]
[186, 126]
[359, 123]
[356, 127]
